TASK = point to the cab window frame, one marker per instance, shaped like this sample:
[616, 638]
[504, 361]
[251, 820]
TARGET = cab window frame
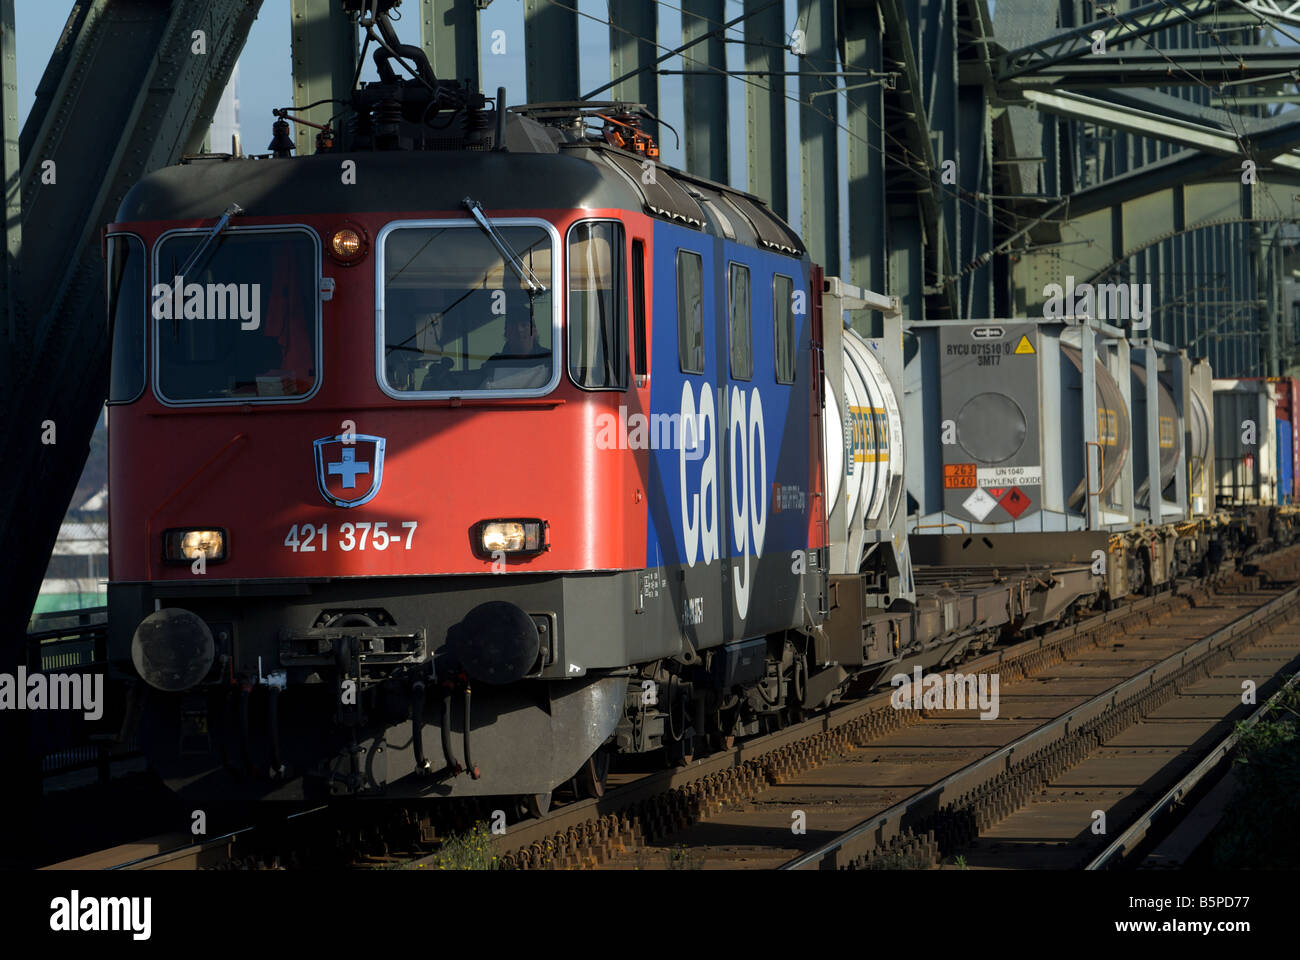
[557, 308]
[622, 278]
[794, 327]
[144, 318]
[682, 347]
[156, 350]
[637, 291]
[737, 268]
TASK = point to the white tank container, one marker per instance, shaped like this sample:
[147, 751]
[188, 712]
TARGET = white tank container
[864, 441]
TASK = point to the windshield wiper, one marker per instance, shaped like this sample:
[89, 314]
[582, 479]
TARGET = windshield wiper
[533, 282]
[199, 257]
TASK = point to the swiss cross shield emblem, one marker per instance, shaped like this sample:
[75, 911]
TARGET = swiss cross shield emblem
[348, 474]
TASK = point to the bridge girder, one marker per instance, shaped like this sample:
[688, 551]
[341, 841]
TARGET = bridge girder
[128, 73]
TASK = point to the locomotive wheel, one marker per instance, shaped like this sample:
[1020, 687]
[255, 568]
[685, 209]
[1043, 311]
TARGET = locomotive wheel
[592, 775]
[795, 702]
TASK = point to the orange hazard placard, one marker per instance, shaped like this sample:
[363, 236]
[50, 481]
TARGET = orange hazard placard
[958, 476]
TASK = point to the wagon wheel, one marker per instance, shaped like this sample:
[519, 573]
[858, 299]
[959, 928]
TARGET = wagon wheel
[537, 805]
[591, 775]
[680, 753]
[726, 738]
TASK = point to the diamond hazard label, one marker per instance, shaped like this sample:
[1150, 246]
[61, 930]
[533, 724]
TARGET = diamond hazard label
[996, 492]
[979, 504]
[1014, 501]
[1024, 346]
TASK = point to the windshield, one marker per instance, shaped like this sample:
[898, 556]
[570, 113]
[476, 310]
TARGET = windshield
[245, 324]
[457, 318]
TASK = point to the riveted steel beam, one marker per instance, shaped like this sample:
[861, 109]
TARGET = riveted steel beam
[10, 300]
[143, 80]
[818, 137]
[1164, 67]
[633, 28]
[551, 50]
[868, 250]
[765, 127]
[704, 94]
[324, 45]
[450, 36]
[1079, 42]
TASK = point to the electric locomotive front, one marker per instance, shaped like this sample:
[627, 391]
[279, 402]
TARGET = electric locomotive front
[301, 520]
[366, 459]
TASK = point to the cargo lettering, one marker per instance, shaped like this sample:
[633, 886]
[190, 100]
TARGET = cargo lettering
[746, 450]
[700, 509]
[747, 447]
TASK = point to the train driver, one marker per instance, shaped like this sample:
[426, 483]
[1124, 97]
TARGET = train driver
[523, 363]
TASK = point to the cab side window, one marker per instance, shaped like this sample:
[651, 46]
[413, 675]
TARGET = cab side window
[690, 318]
[783, 318]
[739, 322]
[597, 306]
[640, 367]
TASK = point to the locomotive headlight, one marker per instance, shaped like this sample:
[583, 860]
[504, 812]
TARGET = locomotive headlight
[348, 244]
[184, 545]
[512, 536]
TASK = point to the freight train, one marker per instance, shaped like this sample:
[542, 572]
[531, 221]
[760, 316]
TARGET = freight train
[1256, 449]
[479, 446]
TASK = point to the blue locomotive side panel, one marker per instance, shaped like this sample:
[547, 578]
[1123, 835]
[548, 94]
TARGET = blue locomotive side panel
[729, 500]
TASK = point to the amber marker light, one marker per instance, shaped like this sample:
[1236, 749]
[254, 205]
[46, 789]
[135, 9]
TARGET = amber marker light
[348, 245]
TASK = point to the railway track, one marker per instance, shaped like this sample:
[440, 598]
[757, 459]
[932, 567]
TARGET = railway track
[1163, 815]
[1053, 797]
[870, 780]
[253, 847]
[867, 761]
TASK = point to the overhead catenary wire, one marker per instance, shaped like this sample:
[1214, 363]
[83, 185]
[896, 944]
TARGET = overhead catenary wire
[907, 155]
[917, 162]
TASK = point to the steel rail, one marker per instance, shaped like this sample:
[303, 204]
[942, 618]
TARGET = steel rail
[1128, 841]
[521, 836]
[868, 834]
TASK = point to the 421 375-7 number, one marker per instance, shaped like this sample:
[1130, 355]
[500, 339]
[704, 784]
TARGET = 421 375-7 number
[308, 537]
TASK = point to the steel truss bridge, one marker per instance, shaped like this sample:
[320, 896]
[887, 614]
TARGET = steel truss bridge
[960, 157]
